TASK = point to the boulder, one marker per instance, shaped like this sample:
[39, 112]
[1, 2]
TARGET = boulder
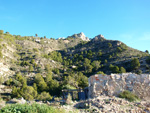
[112, 85]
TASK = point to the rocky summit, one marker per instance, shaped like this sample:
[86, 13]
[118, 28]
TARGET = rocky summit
[81, 36]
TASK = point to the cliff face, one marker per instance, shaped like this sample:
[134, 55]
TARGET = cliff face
[112, 85]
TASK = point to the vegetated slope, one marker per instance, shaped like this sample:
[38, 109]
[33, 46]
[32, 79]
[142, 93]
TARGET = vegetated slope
[104, 55]
[44, 66]
[16, 50]
[32, 67]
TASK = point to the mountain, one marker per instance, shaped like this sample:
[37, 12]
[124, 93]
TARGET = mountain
[41, 64]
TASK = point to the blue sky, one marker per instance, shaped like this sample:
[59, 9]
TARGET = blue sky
[124, 20]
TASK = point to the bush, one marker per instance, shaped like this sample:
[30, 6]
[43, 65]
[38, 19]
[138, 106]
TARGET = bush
[44, 96]
[33, 108]
[55, 56]
[101, 72]
[135, 64]
[128, 95]
[28, 92]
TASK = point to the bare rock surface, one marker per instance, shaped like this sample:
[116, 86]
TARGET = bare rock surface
[106, 104]
[112, 85]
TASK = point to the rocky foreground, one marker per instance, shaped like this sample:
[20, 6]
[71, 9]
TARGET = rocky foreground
[101, 104]
[114, 84]
[105, 104]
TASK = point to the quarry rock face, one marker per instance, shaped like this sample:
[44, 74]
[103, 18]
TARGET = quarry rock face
[112, 85]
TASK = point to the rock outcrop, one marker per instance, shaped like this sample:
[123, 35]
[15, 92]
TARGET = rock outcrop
[112, 85]
[98, 38]
[82, 36]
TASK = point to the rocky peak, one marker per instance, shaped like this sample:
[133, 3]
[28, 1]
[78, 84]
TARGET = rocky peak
[81, 35]
[99, 38]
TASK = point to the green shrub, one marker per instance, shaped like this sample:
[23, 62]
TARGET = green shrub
[28, 92]
[135, 64]
[55, 56]
[44, 96]
[128, 95]
[33, 108]
[101, 72]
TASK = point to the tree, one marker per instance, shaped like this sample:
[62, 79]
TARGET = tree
[48, 77]
[119, 49]
[106, 61]
[41, 84]
[54, 87]
[21, 79]
[114, 69]
[15, 92]
[29, 93]
[135, 64]
[109, 45]
[35, 86]
[96, 64]
[122, 70]
[56, 71]
[32, 61]
[86, 63]
[69, 80]
[147, 51]
[99, 54]
[82, 81]
[88, 68]
[36, 35]
[31, 68]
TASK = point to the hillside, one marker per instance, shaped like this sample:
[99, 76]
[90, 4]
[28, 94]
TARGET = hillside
[101, 53]
[42, 65]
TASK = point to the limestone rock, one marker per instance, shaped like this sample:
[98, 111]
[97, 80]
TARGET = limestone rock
[82, 36]
[112, 85]
[98, 38]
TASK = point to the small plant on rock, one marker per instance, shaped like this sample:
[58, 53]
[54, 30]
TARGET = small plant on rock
[128, 95]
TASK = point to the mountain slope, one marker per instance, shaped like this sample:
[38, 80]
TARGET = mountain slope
[50, 65]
